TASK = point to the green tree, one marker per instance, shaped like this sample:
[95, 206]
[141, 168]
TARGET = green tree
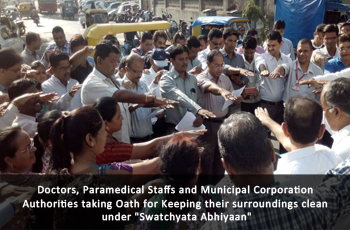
[254, 13]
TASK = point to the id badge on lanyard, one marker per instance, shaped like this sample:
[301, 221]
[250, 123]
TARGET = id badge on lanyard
[296, 87]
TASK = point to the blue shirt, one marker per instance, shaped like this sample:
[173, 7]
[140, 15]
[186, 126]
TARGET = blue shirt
[334, 65]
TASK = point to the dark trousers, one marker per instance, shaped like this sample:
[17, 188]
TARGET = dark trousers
[159, 128]
[250, 107]
[276, 111]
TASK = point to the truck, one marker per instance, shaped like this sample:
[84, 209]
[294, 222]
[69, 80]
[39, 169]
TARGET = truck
[303, 16]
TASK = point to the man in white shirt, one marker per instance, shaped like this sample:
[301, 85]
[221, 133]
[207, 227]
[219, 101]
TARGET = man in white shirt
[301, 69]
[287, 45]
[101, 83]
[336, 106]
[301, 129]
[321, 56]
[68, 89]
[33, 43]
[271, 87]
[26, 118]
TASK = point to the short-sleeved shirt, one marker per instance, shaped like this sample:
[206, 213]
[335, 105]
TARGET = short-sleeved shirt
[211, 102]
[115, 152]
[325, 53]
[235, 61]
[64, 49]
[81, 73]
[334, 65]
[271, 89]
[290, 75]
[186, 91]
[287, 48]
[130, 36]
[28, 56]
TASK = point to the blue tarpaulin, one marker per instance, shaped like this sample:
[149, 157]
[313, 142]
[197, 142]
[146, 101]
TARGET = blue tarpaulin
[301, 17]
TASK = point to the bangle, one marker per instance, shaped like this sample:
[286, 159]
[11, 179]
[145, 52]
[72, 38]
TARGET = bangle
[146, 98]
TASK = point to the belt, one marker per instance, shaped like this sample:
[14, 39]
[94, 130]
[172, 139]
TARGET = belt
[217, 120]
[271, 103]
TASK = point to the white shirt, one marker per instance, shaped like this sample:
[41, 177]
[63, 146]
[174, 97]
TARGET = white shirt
[331, 76]
[290, 75]
[271, 89]
[148, 80]
[28, 124]
[341, 143]
[9, 116]
[253, 81]
[202, 57]
[317, 159]
[95, 86]
[66, 102]
[325, 53]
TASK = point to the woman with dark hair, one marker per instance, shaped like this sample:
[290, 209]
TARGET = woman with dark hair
[44, 129]
[119, 151]
[180, 173]
[79, 137]
[38, 71]
[17, 151]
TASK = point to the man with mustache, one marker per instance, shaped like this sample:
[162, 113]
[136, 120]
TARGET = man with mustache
[62, 84]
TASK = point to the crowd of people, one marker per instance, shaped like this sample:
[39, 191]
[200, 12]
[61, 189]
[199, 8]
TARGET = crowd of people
[67, 113]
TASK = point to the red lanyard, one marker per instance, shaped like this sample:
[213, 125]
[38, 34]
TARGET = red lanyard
[296, 73]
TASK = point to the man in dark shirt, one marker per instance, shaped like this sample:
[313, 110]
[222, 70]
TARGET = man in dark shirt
[81, 66]
[128, 39]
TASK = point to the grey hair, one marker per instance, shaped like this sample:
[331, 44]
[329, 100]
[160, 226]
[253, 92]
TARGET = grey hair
[337, 94]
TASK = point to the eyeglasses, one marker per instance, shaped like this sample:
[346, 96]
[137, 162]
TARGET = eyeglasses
[342, 49]
[218, 65]
[330, 39]
[29, 147]
[65, 68]
[18, 71]
[216, 43]
[331, 109]
[135, 72]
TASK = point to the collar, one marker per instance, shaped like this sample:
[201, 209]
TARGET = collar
[98, 74]
[207, 50]
[339, 61]
[55, 79]
[245, 61]
[26, 117]
[28, 51]
[341, 134]
[223, 51]
[326, 51]
[300, 153]
[174, 74]
[270, 57]
[210, 77]
[152, 71]
[309, 68]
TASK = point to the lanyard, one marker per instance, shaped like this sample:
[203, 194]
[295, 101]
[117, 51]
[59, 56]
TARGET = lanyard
[296, 73]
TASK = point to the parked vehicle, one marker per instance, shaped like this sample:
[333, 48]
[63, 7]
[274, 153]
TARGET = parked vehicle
[25, 9]
[11, 12]
[95, 16]
[202, 25]
[68, 10]
[126, 11]
[113, 6]
[112, 15]
[49, 6]
[9, 38]
[20, 25]
[328, 12]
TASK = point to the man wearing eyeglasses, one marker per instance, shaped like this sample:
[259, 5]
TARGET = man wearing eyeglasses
[321, 56]
[216, 88]
[241, 36]
[339, 63]
[214, 42]
[10, 68]
[68, 89]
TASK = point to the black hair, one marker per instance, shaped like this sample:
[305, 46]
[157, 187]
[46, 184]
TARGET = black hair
[112, 38]
[56, 57]
[330, 28]
[77, 40]
[203, 37]
[104, 48]
[252, 32]
[279, 24]
[236, 147]
[8, 145]
[192, 41]
[159, 34]
[178, 50]
[319, 28]
[212, 54]
[146, 36]
[303, 118]
[57, 29]
[31, 37]
[337, 94]
[107, 107]
[274, 35]
[9, 57]
[229, 32]
[345, 24]
[344, 38]
[45, 124]
[250, 42]
[18, 87]
[68, 134]
[214, 33]
[36, 64]
[306, 41]
[178, 36]
[122, 63]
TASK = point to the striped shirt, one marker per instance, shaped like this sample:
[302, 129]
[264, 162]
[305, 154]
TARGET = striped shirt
[115, 152]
